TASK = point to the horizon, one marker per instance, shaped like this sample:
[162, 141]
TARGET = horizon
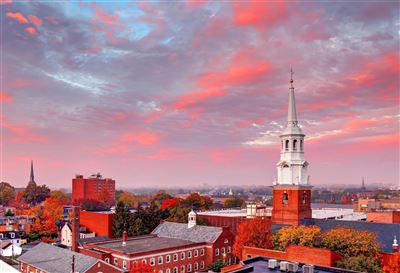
[197, 92]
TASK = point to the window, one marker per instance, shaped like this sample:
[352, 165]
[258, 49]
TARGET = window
[12, 235]
[107, 260]
[1, 236]
[301, 145]
[295, 145]
[175, 269]
[152, 261]
[182, 269]
[304, 197]
[175, 257]
[223, 250]
[160, 260]
[196, 266]
[202, 265]
[167, 258]
[115, 261]
[160, 271]
[196, 253]
[182, 255]
[168, 270]
[189, 268]
[287, 145]
[202, 252]
[229, 261]
[285, 198]
[216, 251]
[229, 249]
[226, 241]
[123, 264]
[189, 254]
[144, 261]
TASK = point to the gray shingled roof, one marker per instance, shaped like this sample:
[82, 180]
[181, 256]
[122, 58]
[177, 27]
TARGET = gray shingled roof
[384, 232]
[181, 231]
[54, 259]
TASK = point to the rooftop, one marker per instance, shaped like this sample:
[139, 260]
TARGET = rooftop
[260, 265]
[141, 244]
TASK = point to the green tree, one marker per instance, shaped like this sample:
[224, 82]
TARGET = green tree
[35, 194]
[198, 202]
[159, 197]
[217, 265]
[234, 202]
[7, 193]
[9, 213]
[361, 264]
[179, 214]
[122, 221]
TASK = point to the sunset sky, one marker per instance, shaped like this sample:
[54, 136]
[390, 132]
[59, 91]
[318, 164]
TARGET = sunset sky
[186, 93]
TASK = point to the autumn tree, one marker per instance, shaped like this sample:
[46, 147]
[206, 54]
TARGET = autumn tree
[159, 197]
[297, 235]
[128, 198]
[35, 194]
[59, 195]
[198, 202]
[169, 203]
[179, 214]
[122, 220]
[91, 204]
[393, 264]
[361, 264]
[139, 267]
[7, 193]
[233, 202]
[254, 233]
[46, 216]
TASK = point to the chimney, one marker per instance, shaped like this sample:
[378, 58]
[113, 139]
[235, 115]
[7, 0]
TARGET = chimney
[395, 246]
[124, 238]
[75, 228]
[73, 264]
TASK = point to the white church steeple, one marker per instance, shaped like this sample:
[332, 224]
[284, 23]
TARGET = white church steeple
[292, 168]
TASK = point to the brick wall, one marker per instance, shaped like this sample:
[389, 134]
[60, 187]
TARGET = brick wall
[392, 217]
[301, 254]
[223, 221]
[99, 223]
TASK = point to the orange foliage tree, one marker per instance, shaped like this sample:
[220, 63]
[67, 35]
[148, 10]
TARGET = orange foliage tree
[254, 233]
[47, 215]
[129, 199]
[141, 268]
[297, 235]
[393, 264]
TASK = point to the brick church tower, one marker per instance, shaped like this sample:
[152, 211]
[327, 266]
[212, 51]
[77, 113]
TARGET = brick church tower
[291, 191]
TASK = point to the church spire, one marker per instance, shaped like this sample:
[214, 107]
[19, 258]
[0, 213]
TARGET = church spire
[32, 177]
[292, 115]
[363, 184]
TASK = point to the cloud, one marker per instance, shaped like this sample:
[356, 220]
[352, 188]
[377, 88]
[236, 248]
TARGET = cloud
[31, 30]
[17, 16]
[5, 97]
[35, 20]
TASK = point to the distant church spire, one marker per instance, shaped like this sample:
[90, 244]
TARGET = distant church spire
[32, 177]
[292, 115]
[363, 184]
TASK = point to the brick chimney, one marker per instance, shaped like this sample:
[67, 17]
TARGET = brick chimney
[124, 237]
[395, 246]
[75, 228]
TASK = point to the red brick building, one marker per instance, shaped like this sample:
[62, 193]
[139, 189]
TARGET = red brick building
[171, 248]
[391, 217]
[94, 187]
[98, 222]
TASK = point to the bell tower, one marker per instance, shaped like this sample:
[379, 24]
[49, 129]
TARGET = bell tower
[291, 190]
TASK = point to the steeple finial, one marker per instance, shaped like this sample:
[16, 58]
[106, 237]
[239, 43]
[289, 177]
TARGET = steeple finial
[32, 177]
[292, 115]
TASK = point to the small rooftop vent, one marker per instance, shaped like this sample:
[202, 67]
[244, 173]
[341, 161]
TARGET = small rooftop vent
[272, 263]
[283, 266]
[308, 268]
[293, 267]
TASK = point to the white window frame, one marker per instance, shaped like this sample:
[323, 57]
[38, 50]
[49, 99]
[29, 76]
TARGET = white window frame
[115, 261]
[182, 256]
[226, 241]
[167, 270]
[107, 260]
[176, 257]
[160, 260]
[196, 266]
[229, 249]
[223, 250]
[189, 268]
[175, 269]
[196, 253]
[202, 265]
[124, 264]
[168, 259]
[144, 261]
[189, 254]
[183, 268]
[217, 252]
[202, 252]
[152, 261]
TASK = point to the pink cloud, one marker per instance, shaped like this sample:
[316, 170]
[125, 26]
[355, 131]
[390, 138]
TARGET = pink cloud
[223, 156]
[31, 30]
[21, 133]
[35, 20]
[167, 153]
[5, 97]
[143, 138]
[17, 16]
[2, 2]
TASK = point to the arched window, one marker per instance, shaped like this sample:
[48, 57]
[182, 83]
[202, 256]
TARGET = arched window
[304, 197]
[287, 145]
[285, 198]
[295, 145]
[301, 145]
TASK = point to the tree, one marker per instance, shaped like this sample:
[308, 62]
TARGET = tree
[297, 235]
[254, 233]
[104, 196]
[198, 202]
[46, 217]
[122, 221]
[393, 264]
[9, 213]
[169, 203]
[159, 197]
[361, 264]
[146, 220]
[91, 204]
[128, 199]
[179, 214]
[35, 194]
[217, 265]
[59, 195]
[141, 268]
[233, 202]
[350, 242]
[7, 193]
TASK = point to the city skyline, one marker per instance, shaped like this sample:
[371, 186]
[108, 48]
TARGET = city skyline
[156, 94]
